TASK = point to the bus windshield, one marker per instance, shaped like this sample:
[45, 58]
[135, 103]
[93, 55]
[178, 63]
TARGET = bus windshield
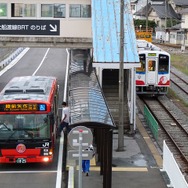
[24, 126]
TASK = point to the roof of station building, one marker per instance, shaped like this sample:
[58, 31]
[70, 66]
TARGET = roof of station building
[106, 32]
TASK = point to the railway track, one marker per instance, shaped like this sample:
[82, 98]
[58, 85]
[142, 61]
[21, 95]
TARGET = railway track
[172, 131]
[171, 48]
[180, 82]
[173, 118]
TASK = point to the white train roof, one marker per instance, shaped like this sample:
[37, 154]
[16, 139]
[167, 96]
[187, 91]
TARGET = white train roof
[145, 45]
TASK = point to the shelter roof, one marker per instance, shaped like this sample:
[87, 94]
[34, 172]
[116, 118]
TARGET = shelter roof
[86, 100]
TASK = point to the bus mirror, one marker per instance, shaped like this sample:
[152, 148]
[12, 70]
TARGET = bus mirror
[50, 114]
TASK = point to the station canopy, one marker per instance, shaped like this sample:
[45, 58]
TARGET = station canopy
[87, 103]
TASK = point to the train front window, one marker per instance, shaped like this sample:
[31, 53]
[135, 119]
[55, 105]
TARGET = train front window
[143, 63]
[163, 63]
[151, 65]
[24, 126]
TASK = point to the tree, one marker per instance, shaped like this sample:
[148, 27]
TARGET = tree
[151, 24]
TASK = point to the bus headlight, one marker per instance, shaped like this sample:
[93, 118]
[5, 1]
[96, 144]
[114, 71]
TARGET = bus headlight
[46, 159]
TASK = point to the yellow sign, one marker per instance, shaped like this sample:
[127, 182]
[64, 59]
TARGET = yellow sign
[144, 35]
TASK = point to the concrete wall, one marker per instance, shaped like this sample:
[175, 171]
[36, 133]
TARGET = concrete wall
[184, 24]
[74, 32]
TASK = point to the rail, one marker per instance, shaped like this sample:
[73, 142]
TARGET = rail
[171, 126]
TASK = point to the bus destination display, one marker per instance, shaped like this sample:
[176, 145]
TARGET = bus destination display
[20, 107]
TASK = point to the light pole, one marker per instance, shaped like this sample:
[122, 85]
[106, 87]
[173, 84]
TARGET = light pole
[121, 82]
[147, 15]
[165, 18]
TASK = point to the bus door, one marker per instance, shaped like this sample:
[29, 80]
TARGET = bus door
[151, 73]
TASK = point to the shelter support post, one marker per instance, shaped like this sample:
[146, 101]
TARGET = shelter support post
[107, 179]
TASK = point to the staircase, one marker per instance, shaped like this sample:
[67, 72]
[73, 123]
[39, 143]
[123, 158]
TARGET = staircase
[110, 88]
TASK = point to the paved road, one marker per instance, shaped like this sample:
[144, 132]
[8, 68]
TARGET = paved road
[38, 61]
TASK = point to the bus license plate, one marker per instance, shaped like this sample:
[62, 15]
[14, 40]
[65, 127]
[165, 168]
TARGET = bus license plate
[20, 160]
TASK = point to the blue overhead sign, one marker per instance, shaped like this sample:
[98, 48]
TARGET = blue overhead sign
[29, 27]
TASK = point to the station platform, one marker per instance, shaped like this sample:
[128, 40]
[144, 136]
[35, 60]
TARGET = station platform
[138, 166]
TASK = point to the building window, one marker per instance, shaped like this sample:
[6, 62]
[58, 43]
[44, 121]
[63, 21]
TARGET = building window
[53, 10]
[47, 10]
[86, 11]
[172, 36]
[59, 10]
[3, 9]
[133, 8]
[74, 11]
[29, 10]
[77, 11]
[158, 23]
[23, 10]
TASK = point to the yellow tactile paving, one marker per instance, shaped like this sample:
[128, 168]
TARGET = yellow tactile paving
[150, 144]
[120, 169]
[93, 162]
[123, 169]
[129, 169]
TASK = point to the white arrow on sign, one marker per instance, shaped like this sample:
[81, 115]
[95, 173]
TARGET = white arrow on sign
[54, 28]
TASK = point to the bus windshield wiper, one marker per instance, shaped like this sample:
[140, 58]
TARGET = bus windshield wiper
[11, 136]
[3, 127]
[30, 134]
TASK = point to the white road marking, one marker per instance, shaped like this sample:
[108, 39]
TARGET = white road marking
[41, 62]
[60, 161]
[61, 150]
[27, 172]
[60, 157]
[66, 75]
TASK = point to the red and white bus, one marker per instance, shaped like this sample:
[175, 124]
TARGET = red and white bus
[28, 119]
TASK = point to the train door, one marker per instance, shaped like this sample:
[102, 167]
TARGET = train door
[151, 73]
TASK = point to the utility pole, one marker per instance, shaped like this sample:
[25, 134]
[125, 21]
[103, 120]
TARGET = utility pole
[147, 15]
[165, 19]
[165, 15]
[121, 82]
